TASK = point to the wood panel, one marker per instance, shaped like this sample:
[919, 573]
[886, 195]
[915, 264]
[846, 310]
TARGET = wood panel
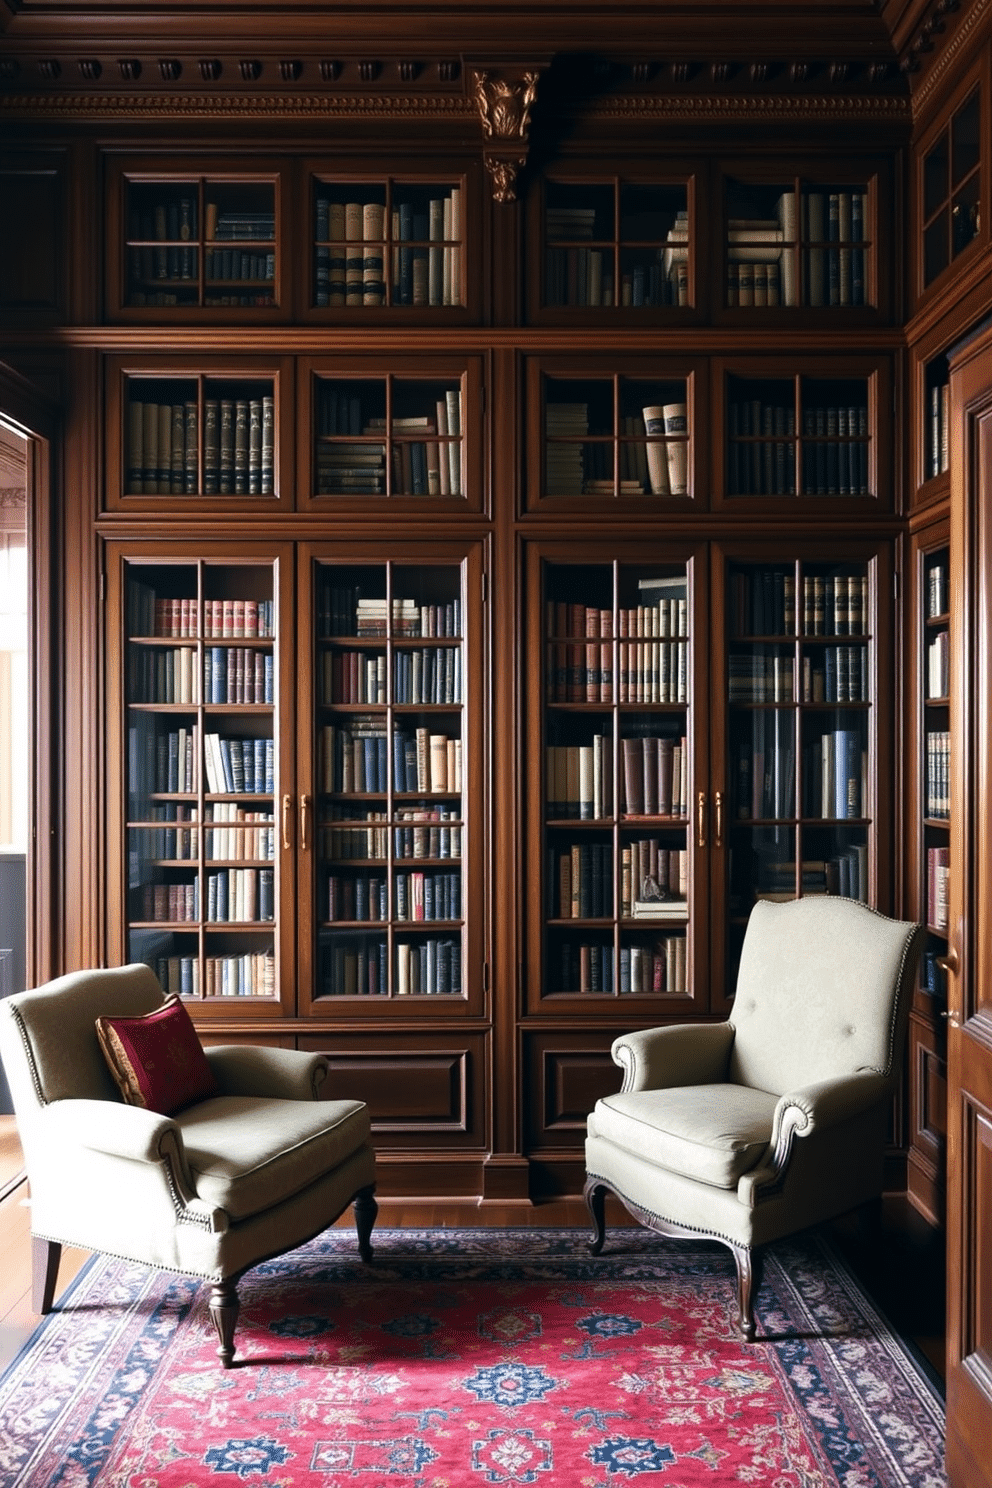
[32, 272]
[565, 1075]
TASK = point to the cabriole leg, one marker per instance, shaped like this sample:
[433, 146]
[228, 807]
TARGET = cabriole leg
[224, 1308]
[366, 1210]
[45, 1257]
[747, 1275]
[595, 1197]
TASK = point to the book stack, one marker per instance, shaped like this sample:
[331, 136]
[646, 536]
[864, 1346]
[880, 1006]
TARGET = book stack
[835, 451]
[428, 896]
[429, 674]
[237, 674]
[240, 895]
[239, 766]
[579, 780]
[939, 666]
[938, 765]
[162, 676]
[835, 604]
[427, 832]
[251, 974]
[667, 449]
[240, 264]
[938, 869]
[659, 967]
[564, 465]
[586, 967]
[353, 677]
[836, 775]
[431, 967]
[358, 967]
[415, 249]
[170, 902]
[655, 776]
[756, 262]
[653, 880]
[580, 878]
[938, 601]
[939, 454]
[239, 834]
[761, 451]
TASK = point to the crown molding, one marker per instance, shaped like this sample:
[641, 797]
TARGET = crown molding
[235, 106]
[949, 55]
[714, 106]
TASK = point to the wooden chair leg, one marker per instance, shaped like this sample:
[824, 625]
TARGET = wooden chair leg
[748, 1276]
[595, 1197]
[224, 1308]
[45, 1257]
[366, 1210]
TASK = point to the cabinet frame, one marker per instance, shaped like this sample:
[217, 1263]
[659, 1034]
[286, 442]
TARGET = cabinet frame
[979, 76]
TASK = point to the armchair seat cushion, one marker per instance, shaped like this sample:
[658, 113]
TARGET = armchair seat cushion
[248, 1153]
[711, 1133]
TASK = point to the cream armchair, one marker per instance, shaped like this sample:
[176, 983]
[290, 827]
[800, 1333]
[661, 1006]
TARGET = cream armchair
[249, 1173]
[748, 1130]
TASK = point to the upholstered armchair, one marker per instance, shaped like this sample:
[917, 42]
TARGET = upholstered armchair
[748, 1130]
[261, 1165]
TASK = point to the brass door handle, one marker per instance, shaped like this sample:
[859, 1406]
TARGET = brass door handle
[718, 804]
[287, 808]
[949, 963]
[304, 809]
[701, 818]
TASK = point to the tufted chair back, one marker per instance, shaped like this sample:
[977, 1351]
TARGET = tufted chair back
[820, 994]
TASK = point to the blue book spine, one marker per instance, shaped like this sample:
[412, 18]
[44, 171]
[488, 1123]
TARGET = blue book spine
[270, 766]
[399, 761]
[225, 756]
[410, 763]
[222, 894]
[371, 769]
[218, 674]
[382, 764]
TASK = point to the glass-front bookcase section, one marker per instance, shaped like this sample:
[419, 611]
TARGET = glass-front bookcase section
[200, 243]
[201, 777]
[795, 244]
[391, 437]
[950, 186]
[799, 712]
[388, 243]
[615, 245]
[390, 783]
[799, 437]
[935, 423]
[935, 784]
[615, 438]
[200, 437]
[617, 872]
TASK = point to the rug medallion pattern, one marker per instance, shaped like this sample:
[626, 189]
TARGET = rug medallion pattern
[474, 1357]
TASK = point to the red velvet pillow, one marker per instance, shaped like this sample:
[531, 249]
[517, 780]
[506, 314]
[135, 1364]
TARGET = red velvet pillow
[158, 1060]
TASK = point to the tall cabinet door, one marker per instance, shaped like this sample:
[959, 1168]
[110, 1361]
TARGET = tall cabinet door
[391, 781]
[969, 957]
[201, 722]
[802, 746]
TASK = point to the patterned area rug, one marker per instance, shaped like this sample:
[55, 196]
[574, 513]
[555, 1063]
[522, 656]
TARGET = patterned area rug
[475, 1357]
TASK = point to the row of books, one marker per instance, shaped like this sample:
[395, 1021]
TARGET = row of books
[169, 902]
[661, 966]
[826, 224]
[418, 896]
[165, 763]
[938, 871]
[150, 615]
[356, 759]
[579, 780]
[938, 591]
[174, 219]
[655, 776]
[155, 265]
[753, 283]
[837, 674]
[165, 844]
[939, 449]
[938, 767]
[163, 676]
[250, 974]
[664, 618]
[939, 665]
[580, 881]
[237, 674]
[766, 768]
[239, 766]
[763, 602]
[585, 277]
[654, 880]
[418, 467]
[358, 967]
[358, 245]
[244, 895]
[830, 467]
[229, 264]
[163, 450]
[238, 832]
[845, 874]
[430, 674]
[650, 672]
[426, 832]
[343, 610]
[835, 776]
[574, 467]
[429, 967]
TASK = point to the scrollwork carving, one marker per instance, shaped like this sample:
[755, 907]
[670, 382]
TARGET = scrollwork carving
[505, 103]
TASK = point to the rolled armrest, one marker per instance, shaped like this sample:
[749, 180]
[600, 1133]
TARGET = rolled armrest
[110, 1127]
[281, 1074]
[799, 1113]
[682, 1054]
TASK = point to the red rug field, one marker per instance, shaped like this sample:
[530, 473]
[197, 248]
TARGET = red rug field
[474, 1357]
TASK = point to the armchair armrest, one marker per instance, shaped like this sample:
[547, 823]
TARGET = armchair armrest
[682, 1054]
[110, 1127]
[799, 1113]
[280, 1074]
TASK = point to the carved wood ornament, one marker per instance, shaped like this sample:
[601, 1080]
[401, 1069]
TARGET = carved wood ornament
[504, 99]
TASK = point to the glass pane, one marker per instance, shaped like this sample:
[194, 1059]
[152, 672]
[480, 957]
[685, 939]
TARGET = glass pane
[936, 187]
[835, 861]
[162, 232]
[965, 148]
[936, 248]
[761, 450]
[762, 226]
[835, 438]
[173, 957]
[966, 214]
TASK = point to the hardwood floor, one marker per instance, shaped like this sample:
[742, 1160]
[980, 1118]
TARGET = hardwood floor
[899, 1258]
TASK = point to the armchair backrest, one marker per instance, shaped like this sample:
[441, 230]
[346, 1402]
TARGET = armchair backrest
[823, 991]
[48, 1036]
